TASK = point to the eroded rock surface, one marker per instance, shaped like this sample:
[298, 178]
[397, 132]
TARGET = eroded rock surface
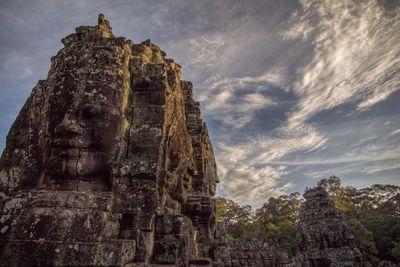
[109, 162]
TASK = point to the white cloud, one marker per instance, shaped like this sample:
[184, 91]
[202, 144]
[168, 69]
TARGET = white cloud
[360, 157]
[250, 185]
[300, 30]
[382, 167]
[201, 52]
[318, 174]
[395, 132]
[250, 172]
[357, 56]
[303, 138]
[227, 100]
[356, 59]
[19, 65]
[205, 49]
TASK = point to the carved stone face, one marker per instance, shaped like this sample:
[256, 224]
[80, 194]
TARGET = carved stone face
[83, 133]
[212, 190]
[180, 192]
[211, 176]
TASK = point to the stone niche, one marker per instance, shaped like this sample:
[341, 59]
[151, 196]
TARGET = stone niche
[108, 162]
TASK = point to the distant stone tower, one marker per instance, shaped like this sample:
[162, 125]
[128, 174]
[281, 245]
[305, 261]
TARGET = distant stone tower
[108, 163]
[323, 237]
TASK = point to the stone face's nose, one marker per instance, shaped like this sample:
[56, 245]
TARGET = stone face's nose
[68, 126]
[216, 180]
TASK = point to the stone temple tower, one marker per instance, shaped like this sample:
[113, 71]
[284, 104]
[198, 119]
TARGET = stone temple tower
[109, 162]
[323, 237]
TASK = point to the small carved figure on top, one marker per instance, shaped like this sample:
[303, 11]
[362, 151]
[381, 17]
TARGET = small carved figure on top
[104, 26]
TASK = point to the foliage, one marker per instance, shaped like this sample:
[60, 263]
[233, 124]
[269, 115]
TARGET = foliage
[277, 220]
[237, 219]
[396, 251]
[386, 230]
[364, 240]
[285, 233]
[285, 207]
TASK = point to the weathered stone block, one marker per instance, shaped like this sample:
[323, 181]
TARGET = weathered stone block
[166, 249]
[53, 253]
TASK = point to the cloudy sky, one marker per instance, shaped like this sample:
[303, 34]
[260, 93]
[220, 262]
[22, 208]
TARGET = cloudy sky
[292, 91]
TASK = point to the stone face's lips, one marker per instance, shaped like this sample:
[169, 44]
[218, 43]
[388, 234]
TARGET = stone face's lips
[66, 143]
[71, 153]
[72, 147]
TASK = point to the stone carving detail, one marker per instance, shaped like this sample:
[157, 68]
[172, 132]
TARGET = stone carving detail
[323, 237]
[256, 253]
[104, 26]
[106, 160]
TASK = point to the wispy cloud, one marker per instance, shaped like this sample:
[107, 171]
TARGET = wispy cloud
[383, 166]
[232, 102]
[356, 55]
[395, 132]
[259, 159]
[355, 59]
[23, 65]
[250, 185]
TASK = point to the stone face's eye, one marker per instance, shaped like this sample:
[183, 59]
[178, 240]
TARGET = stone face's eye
[90, 111]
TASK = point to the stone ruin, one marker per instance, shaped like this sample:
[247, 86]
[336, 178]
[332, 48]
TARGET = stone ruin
[109, 162]
[324, 239]
[257, 253]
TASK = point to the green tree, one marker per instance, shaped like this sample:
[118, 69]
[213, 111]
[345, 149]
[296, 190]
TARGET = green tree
[277, 219]
[386, 230]
[342, 197]
[285, 233]
[364, 240]
[396, 251]
[275, 210]
[238, 220]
